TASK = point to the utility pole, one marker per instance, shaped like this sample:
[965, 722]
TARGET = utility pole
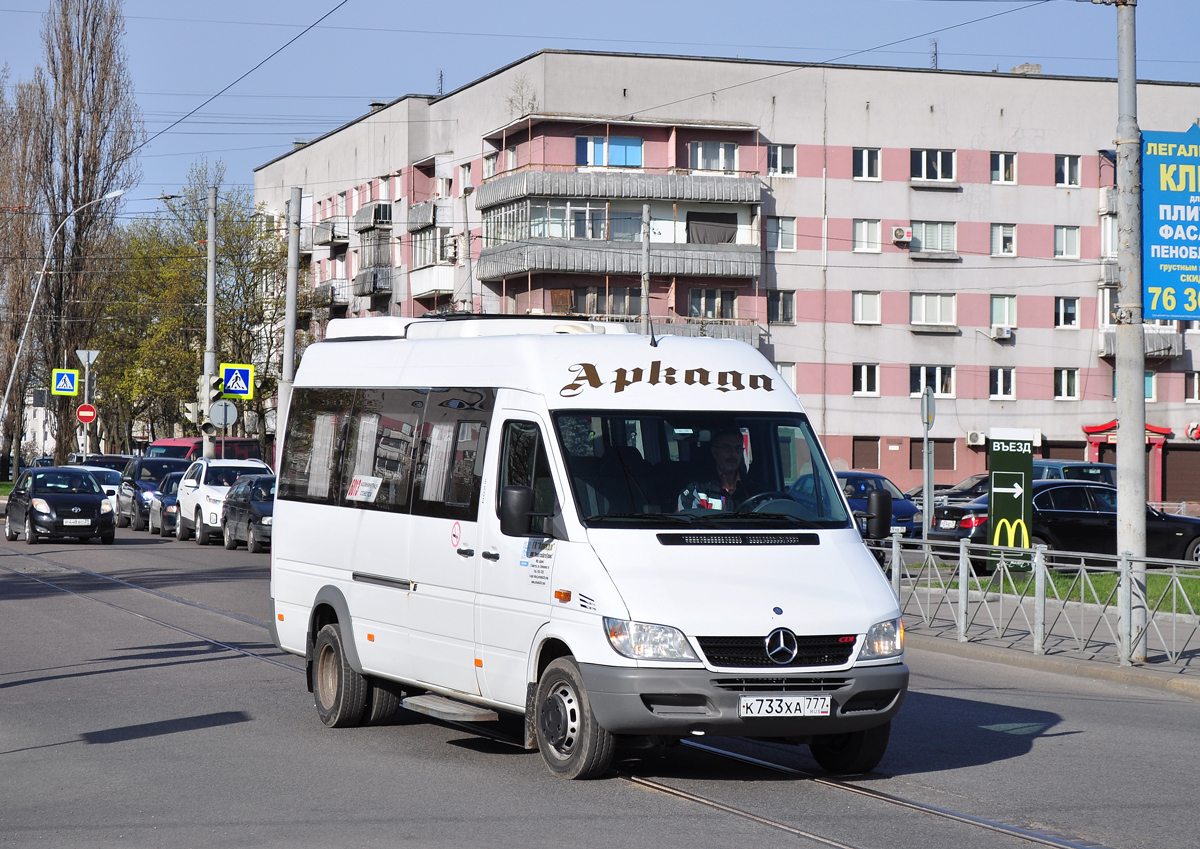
[210, 334]
[289, 322]
[645, 302]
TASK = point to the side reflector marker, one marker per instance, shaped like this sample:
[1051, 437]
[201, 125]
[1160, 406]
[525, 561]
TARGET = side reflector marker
[562, 595]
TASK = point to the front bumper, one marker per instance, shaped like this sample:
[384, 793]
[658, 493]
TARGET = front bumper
[676, 702]
[54, 527]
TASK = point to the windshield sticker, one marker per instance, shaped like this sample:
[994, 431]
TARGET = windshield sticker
[586, 375]
[363, 488]
[538, 557]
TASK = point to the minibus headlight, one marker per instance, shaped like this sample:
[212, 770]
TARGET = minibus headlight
[885, 639]
[641, 641]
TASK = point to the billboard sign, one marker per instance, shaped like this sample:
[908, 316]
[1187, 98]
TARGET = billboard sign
[1171, 225]
[1010, 490]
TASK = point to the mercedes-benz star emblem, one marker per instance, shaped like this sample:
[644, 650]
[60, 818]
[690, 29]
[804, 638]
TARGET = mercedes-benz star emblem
[782, 646]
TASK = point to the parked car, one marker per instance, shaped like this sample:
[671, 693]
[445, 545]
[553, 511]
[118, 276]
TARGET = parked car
[1074, 516]
[906, 517]
[139, 481]
[116, 462]
[163, 507]
[202, 492]
[248, 509]
[58, 503]
[108, 479]
[192, 448]
[43, 462]
[960, 493]
[1075, 470]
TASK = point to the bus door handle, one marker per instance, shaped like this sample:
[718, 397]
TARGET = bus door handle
[491, 555]
[467, 552]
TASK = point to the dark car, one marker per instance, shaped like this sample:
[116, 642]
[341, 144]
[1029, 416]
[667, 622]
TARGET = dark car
[57, 503]
[248, 509]
[164, 506]
[1075, 470]
[139, 481]
[1074, 516]
[906, 517]
[116, 462]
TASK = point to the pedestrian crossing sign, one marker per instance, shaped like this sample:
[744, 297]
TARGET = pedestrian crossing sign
[239, 380]
[65, 381]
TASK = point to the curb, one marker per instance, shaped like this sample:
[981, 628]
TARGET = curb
[1133, 676]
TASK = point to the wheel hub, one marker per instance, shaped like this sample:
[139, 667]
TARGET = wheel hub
[553, 720]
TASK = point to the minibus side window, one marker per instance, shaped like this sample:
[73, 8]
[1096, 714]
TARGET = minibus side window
[523, 462]
[451, 442]
[380, 443]
[313, 446]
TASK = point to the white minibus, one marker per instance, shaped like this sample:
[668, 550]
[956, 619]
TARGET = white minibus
[627, 541]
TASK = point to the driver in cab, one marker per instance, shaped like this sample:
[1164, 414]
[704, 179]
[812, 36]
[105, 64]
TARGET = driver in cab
[731, 486]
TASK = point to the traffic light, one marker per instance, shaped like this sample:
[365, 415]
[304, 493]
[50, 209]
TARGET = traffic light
[190, 411]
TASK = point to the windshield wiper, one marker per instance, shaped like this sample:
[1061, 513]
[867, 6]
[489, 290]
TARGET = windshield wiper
[677, 518]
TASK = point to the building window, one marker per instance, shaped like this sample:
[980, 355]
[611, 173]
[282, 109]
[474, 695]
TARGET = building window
[932, 308]
[1004, 240]
[1066, 170]
[1191, 387]
[432, 245]
[941, 378]
[866, 452]
[511, 157]
[866, 235]
[866, 163]
[713, 156]
[1150, 386]
[788, 372]
[1107, 305]
[489, 165]
[611, 152]
[1002, 385]
[943, 454]
[1004, 310]
[865, 383]
[781, 160]
[781, 307]
[1066, 242]
[464, 178]
[713, 303]
[932, 165]
[1066, 384]
[1108, 236]
[1004, 167]
[781, 234]
[1066, 312]
[866, 308]
[933, 237]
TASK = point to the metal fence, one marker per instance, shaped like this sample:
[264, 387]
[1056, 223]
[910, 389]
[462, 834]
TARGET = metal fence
[1082, 605]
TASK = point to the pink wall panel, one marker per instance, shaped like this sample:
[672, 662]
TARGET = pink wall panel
[895, 309]
[1035, 384]
[1035, 169]
[809, 306]
[972, 381]
[808, 234]
[839, 377]
[893, 380]
[1097, 384]
[1035, 311]
[895, 163]
[840, 307]
[1035, 240]
[1089, 242]
[840, 448]
[1089, 172]
[809, 160]
[974, 166]
[808, 379]
[974, 309]
[1171, 387]
[841, 163]
[841, 234]
[974, 238]
[558, 150]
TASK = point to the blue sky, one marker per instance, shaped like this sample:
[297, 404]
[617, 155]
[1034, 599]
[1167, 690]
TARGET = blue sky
[180, 54]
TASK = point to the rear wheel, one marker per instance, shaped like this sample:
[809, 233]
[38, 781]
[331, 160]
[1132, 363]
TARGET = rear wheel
[122, 519]
[31, 536]
[201, 533]
[230, 539]
[382, 702]
[572, 742]
[339, 692]
[181, 531]
[10, 533]
[856, 752]
[253, 543]
[139, 524]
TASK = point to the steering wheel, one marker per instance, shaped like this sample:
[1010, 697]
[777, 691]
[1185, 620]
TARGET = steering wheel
[779, 502]
[755, 503]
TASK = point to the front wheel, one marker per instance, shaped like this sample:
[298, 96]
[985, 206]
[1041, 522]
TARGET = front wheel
[572, 742]
[10, 533]
[339, 691]
[1193, 551]
[201, 533]
[107, 539]
[181, 531]
[31, 536]
[122, 521]
[253, 543]
[139, 524]
[856, 752]
[230, 539]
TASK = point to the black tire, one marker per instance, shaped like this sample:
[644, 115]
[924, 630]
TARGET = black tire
[107, 539]
[227, 535]
[122, 520]
[9, 533]
[853, 753]
[572, 742]
[181, 531]
[31, 536]
[340, 693]
[382, 702]
[139, 524]
[253, 544]
[201, 533]
[1192, 552]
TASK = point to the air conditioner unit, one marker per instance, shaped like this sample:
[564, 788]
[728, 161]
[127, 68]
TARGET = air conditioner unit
[976, 437]
[1000, 331]
[902, 234]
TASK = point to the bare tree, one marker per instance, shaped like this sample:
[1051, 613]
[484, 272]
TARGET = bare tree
[88, 130]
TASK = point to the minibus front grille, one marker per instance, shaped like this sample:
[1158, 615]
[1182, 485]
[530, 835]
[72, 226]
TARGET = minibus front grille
[780, 685]
[751, 652]
[739, 539]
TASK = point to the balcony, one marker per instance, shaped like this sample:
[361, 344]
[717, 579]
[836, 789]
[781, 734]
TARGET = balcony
[742, 329]
[332, 293]
[671, 184]
[421, 215]
[306, 240]
[1161, 342]
[332, 231]
[376, 215]
[432, 280]
[585, 256]
[372, 281]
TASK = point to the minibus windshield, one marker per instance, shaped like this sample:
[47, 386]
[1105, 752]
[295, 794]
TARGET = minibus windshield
[704, 468]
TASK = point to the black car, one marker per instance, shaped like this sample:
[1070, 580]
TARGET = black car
[1073, 516]
[164, 506]
[139, 481]
[116, 462]
[57, 503]
[248, 509]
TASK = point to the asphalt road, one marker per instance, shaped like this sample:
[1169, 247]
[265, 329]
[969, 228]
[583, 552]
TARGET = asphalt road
[160, 715]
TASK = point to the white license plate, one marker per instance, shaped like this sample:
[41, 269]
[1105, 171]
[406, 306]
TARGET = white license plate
[948, 524]
[76, 521]
[897, 529]
[783, 706]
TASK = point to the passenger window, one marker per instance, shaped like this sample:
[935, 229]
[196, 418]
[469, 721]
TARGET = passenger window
[1071, 498]
[523, 462]
[380, 445]
[1042, 501]
[449, 468]
[1106, 500]
[313, 445]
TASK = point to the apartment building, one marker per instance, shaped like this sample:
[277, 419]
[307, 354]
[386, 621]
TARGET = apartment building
[872, 230]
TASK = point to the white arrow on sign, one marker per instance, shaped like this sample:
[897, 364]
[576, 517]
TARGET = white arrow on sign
[1015, 489]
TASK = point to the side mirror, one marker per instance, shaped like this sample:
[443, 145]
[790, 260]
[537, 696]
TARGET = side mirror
[879, 514]
[516, 505]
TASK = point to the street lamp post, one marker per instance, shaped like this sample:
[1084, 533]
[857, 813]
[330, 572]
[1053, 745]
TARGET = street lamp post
[37, 291]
